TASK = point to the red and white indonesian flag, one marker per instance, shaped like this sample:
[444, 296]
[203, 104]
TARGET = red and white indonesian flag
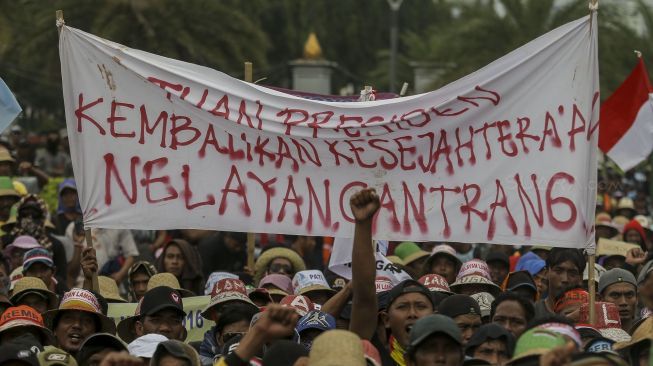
[626, 124]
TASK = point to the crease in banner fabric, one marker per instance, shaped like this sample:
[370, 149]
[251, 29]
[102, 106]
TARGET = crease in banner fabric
[506, 154]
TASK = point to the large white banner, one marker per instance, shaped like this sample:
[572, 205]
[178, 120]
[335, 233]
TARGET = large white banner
[504, 155]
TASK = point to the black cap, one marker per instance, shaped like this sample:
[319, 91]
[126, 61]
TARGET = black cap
[230, 346]
[22, 349]
[519, 279]
[96, 343]
[160, 298]
[406, 287]
[456, 305]
[491, 332]
[498, 257]
[284, 352]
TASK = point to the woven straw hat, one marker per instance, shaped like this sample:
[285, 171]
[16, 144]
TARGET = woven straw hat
[27, 285]
[337, 348]
[169, 280]
[109, 289]
[6, 156]
[264, 260]
[643, 332]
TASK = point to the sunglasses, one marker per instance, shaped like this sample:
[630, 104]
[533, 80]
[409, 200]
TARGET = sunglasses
[280, 268]
[231, 335]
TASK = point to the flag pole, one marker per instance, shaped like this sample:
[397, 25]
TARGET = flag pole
[251, 242]
[89, 238]
[591, 284]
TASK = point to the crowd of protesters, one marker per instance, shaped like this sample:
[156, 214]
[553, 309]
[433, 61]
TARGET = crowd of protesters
[466, 304]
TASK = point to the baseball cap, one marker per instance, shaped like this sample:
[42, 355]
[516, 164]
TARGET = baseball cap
[310, 280]
[518, 279]
[484, 300]
[536, 342]
[432, 324]
[530, 262]
[144, 346]
[20, 349]
[316, 320]
[616, 275]
[456, 305]
[53, 356]
[24, 242]
[25, 317]
[498, 257]
[177, 349]
[277, 284]
[406, 287]
[226, 290]
[97, 342]
[435, 282]
[302, 304]
[37, 255]
[154, 300]
[599, 345]
[490, 332]
[409, 252]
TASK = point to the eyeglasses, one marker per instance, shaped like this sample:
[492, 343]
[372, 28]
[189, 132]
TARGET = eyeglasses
[280, 268]
[229, 336]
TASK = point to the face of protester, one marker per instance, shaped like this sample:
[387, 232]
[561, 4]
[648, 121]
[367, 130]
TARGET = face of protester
[166, 322]
[73, 328]
[6, 168]
[232, 330]
[468, 324]
[139, 284]
[632, 236]
[416, 267]
[281, 265]
[69, 198]
[472, 288]
[444, 267]
[318, 297]
[14, 332]
[498, 271]
[174, 260]
[35, 301]
[5, 206]
[571, 311]
[492, 351]
[437, 350]
[42, 271]
[511, 315]
[541, 280]
[614, 261]
[563, 275]
[404, 312]
[624, 295]
[16, 257]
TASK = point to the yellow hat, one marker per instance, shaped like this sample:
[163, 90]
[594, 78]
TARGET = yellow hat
[337, 347]
[169, 280]
[30, 285]
[6, 156]
[109, 289]
[269, 255]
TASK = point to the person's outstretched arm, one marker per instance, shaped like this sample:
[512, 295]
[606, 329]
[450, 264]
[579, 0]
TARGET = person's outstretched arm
[364, 205]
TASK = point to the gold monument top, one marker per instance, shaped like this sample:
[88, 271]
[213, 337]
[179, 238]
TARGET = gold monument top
[312, 49]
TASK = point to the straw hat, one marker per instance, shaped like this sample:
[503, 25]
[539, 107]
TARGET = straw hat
[269, 255]
[626, 204]
[337, 348]
[169, 280]
[33, 285]
[7, 188]
[78, 299]
[109, 289]
[643, 332]
[605, 220]
[6, 156]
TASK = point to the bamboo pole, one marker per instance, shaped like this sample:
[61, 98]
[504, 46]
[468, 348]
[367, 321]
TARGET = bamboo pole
[591, 284]
[89, 238]
[251, 241]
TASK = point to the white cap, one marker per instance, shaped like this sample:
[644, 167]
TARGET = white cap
[145, 346]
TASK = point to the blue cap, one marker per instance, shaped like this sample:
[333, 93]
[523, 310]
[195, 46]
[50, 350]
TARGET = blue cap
[530, 262]
[316, 320]
[37, 255]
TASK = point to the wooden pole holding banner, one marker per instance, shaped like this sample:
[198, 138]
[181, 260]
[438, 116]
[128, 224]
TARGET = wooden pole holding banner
[591, 284]
[89, 238]
[251, 242]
